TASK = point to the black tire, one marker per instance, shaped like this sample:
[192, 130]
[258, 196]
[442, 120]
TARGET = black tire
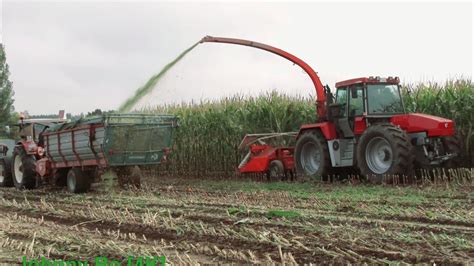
[6, 179]
[23, 169]
[395, 147]
[276, 171]
[310, 143]
[453, 144]
[77, 181]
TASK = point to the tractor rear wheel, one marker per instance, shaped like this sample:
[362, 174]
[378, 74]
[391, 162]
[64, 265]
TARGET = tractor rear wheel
[24, 172]
[5, 173]
[312, 155]
[77, 181]
[384, 152]
[276, 171]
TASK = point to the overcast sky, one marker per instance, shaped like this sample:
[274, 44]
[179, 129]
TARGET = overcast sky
[80, 56]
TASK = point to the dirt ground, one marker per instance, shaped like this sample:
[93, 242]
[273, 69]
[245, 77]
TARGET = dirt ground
[231, 221]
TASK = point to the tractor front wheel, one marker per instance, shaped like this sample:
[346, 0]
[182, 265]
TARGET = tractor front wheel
[24, 172]
[5, 173]
[384, 152]
[312, 155]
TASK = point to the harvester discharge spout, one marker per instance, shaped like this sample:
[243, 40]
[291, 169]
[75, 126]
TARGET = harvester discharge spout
[320, 90]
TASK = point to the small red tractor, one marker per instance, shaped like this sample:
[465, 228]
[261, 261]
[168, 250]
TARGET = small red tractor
[276, 161]
[365, 127]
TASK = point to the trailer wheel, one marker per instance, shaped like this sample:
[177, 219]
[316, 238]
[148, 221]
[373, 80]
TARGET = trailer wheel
[6, 173]
[24, 172]
[276, 171]
[77, 181]
[312, 155]
[384, 152]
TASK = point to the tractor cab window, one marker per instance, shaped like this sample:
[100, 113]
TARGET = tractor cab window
[356, 101]
[384, 99]
[341, 99]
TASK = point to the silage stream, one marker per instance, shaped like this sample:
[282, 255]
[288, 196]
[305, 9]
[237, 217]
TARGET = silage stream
[151, 83]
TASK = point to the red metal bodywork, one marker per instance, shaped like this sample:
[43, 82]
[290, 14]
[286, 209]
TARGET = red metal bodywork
[321, 95]
[369, 80]
[262, 155]
[434, 126]
[360, 125]
[327, 128]
[43, 167]
[30, 146]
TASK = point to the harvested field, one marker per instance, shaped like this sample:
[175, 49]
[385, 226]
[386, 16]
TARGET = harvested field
[231, 221]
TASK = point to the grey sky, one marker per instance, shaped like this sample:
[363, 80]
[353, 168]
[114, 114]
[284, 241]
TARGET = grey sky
[80, 56]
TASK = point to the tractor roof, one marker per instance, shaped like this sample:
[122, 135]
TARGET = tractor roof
[372, 80]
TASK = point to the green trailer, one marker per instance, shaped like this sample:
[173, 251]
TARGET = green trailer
[75, 153]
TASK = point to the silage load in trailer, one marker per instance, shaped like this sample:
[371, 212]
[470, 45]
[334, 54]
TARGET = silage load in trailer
[110, 140]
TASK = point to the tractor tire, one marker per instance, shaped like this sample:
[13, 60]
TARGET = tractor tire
[6, 173]
[384, 151]
[453, 144]
[312, 155]
[24, 169]
[77, 181]
[276, 171]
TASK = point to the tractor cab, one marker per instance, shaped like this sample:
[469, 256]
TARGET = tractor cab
[364, 99]
[31, 132]
[30, 129]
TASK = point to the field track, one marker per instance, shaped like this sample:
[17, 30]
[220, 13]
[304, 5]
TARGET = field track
[208, 221]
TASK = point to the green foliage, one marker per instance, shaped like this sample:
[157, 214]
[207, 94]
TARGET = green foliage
[98, 112]
[282, 213]
[207, 140]
[6, 90]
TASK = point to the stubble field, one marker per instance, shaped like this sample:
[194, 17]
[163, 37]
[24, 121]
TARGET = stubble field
[243, 221]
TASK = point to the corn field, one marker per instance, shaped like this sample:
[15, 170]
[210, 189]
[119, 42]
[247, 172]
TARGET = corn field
[206, 141]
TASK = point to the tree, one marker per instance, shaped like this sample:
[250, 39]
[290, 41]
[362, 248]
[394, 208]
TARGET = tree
[6, 91]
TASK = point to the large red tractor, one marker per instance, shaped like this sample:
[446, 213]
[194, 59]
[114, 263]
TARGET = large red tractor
[365, 126]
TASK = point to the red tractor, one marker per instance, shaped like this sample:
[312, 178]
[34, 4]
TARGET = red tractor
[366, 126]
[274, 160]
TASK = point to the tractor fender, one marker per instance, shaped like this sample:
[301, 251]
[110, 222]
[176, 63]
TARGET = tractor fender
[29, 146]
[434, 126]
[327, 128]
